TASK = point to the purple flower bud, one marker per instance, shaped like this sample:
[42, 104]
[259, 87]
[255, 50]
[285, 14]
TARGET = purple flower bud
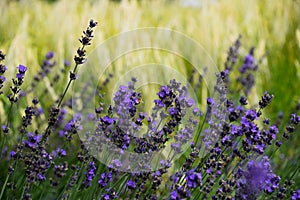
[5, 129]
[92, 23]
[295, 195]
[12, 154]
[41, 177]
[210, 101]
[243, 100]
[91, 116]
[19, 76]
[107, 120]
[278, 143]
[22, 69]
[22, 93]
[190, 102]
[49, 55]
[62, 152]
[73, 76]
[159, 103]
[174, 195]
[131, 184]
[209, 170]
[197, 112]
[3, 68]
[173, 111]
[2, 79]
[67, 63]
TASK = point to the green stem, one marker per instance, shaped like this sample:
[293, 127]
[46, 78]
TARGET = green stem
[22, 194]
[17, 160]
[4, 185]
[64, 94]
[73, 190]
[200, 128]
[7, 123]
[295, 172]
[69, 83]
[273, 153]
[2, 144]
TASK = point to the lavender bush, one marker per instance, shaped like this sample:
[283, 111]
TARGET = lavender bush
[226, 151]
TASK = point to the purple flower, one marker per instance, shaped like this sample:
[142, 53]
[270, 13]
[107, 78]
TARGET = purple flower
[165, 164]
[278, 143]
[90, 174]
[251, 115]
[159, 103]
[193, 179]
[49, 55]
[115, 163]
[295, 119]
[22, 93]
[40, 111]
[173, 111]
[256, 178]
[92, 24]
[190, 102]
[3, 68]
[33, 140]
[164, 91]
[61, 152]
[243, 100]
[260, 148]
[41, 177]
[197, 112]
[210, 101]
[4, 129]
[107, 120]
[226, 140]
[209, 170]
[265, 100]
[131, 184]
[22, 69]
[12, 154]
[67, 63]
[273, 130]
[110, 194]
[248, 63]
[176, 147]
[73, 126]
[295, 195]
[73, 76]
[2, 79]
[91, 116]
[105, 178]
[174, 195]
[20, 76]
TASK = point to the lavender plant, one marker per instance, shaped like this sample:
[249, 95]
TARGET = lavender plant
[47, 160]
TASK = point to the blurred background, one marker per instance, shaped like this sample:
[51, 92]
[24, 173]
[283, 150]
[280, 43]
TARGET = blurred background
[29, 29]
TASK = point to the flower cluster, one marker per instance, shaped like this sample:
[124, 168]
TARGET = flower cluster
[85, 41]
[47, 64]
[249, 66]
[3, 68]
[224, 153]
[15, 89]
[90, 174]
[256, 178]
